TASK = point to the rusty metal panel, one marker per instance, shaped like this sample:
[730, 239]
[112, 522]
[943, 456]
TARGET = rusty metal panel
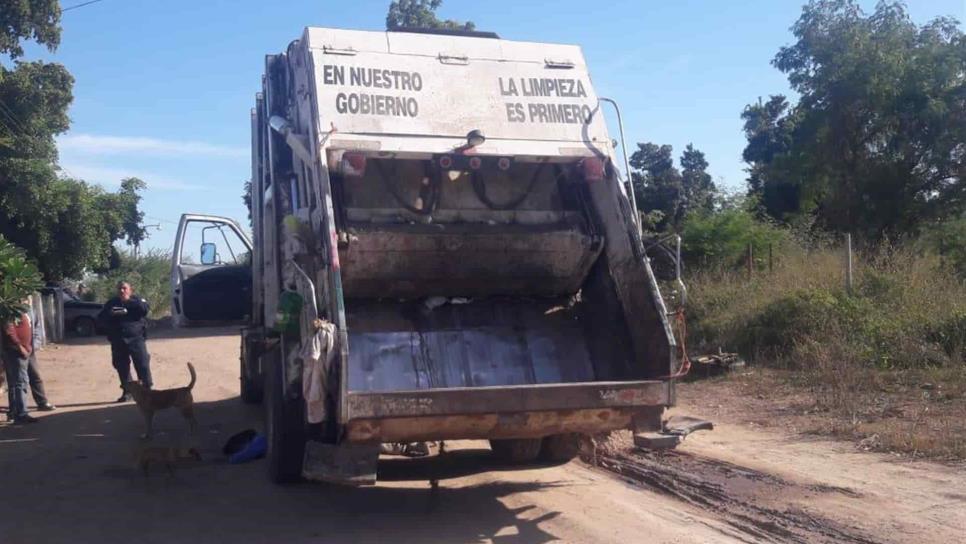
[485, 426]
[509, 399]
[406, 346]
[387, 263]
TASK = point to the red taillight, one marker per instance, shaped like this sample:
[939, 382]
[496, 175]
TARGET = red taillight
[475, 163]
[592, 168]
[354, 164]
[445, 162]
[503, 164]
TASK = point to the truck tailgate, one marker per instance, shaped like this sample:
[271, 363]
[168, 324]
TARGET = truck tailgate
[517, 411]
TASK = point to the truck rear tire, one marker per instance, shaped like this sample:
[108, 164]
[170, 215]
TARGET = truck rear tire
[516, 451]
[84, 326]
[560, 448]
[252, 390]
[252, 382]
[284, 428]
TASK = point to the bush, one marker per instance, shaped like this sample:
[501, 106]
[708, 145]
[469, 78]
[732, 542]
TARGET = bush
[149, 275]
[947, 239]
[722, 238]
[18, 279]
[906, 311]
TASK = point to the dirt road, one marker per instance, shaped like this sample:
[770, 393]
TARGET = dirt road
[72, 478]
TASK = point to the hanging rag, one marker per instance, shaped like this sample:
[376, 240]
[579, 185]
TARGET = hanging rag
[317, 356]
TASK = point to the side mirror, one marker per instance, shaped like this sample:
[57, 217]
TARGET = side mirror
[208, 253]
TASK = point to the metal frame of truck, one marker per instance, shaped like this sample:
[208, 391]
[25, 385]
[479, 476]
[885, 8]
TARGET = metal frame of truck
[297, 151]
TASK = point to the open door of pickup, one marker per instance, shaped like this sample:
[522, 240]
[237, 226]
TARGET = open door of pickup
[211, 275]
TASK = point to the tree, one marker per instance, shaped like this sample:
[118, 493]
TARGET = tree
[18, 279]
[420, 14]
[666, 195]
[247, 199]
[698, 188]
[657, 185]
[37, 20]
[65, 225]
[877, 142]
[769, 130]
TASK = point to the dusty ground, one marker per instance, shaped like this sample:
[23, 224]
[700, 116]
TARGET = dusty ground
[911, 413]
[72, 478]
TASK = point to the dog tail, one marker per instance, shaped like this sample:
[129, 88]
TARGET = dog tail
[194, 377]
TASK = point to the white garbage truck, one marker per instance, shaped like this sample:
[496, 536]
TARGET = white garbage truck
[442, 248]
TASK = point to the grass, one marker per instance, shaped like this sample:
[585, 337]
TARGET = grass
[884, 363]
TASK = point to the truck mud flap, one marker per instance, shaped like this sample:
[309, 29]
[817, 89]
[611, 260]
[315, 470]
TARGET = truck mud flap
[344, 464]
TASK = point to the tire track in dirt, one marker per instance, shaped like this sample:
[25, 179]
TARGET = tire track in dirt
[758, 505]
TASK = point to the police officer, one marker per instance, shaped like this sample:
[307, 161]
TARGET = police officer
[123, 317]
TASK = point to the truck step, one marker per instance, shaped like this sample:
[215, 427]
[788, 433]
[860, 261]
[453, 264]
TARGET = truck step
[674, 429]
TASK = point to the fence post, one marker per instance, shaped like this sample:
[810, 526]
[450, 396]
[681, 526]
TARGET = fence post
[771, 262]
[50, 318]
[37, 305]
[848, 263]
[751, 257]
[59, 321]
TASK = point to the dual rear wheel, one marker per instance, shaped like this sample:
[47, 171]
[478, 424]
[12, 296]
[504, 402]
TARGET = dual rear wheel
[555, 449]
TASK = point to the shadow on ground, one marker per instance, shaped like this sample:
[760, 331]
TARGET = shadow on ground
[75, 479]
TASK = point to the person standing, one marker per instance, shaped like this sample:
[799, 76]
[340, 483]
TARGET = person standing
[124, 319]
[33, 368]
[17, 347]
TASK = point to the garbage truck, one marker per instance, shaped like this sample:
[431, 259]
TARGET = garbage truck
[443, 247]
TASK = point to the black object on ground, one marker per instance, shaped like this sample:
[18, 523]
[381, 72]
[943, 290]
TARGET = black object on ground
[237, 442]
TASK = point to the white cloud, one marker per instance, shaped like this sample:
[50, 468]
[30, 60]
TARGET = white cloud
[111, 177]
[113, 145]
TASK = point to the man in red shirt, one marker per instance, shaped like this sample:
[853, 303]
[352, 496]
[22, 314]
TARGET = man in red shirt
[17, 347]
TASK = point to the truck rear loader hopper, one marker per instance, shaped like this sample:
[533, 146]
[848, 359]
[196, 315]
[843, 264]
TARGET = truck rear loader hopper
[465, 263]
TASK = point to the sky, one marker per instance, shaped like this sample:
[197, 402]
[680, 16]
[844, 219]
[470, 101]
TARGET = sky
[163, 90]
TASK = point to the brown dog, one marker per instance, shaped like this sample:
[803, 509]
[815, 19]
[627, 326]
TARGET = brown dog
[169, 456]
[150, 401]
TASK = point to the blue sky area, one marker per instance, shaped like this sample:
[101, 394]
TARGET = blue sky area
[163, 89]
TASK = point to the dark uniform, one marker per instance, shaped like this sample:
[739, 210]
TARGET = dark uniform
[127, 331]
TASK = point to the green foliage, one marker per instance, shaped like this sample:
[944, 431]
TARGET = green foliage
[247, 200]
[722, 238]
[905, 311]
[875, 144]
[420, 14]
[18, 279]
[34, 97]
[37, 20]
[67, 225]
[149, 275]
[665, 195]
[948, 238]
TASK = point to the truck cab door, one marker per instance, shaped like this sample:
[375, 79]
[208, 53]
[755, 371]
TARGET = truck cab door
[211, 273]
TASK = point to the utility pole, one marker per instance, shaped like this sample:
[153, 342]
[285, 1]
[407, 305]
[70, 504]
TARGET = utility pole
[137, 245]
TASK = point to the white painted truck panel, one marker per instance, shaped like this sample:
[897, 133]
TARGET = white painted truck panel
[426, 92]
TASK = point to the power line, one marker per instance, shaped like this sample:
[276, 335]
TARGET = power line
[14, 120]
[155, 218]
[19, 128]
[82, 4]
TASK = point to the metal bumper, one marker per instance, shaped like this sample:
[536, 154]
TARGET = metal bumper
[504, 412]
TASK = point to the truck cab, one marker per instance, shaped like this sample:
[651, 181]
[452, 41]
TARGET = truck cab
[211, 272]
